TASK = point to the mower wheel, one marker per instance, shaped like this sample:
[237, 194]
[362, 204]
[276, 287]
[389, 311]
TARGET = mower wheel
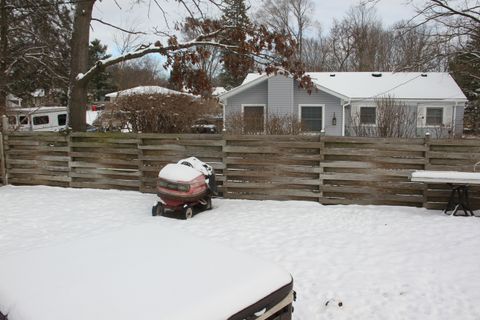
[158, 210]
[187, 212]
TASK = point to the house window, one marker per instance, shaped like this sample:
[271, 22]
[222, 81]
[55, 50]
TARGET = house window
[434, 116]
[62, 119]
[368, 115]
[253, 119]
[311, 118]
[40, 120]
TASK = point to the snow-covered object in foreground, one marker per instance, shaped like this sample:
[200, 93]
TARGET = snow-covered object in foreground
[144, 272]
[184, 186]
[178, 184]
[178, 172]
[455, 177]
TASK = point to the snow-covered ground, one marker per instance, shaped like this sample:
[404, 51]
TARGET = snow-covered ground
[348, 262]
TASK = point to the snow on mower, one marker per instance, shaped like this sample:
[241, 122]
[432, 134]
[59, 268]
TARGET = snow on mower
[185, 188]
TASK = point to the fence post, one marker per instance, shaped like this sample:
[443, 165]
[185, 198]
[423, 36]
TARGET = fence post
[3, 165]
[141, 185]
[4, 123]
[225, 169]
[320, 166]
[70, 159]
[426, 166]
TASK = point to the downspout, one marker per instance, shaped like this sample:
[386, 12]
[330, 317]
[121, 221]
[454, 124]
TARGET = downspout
[223, 111]
[343, 116]
[454, 125]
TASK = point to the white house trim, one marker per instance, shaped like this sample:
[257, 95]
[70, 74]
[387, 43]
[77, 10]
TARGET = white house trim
[312, 105]
[331, 92]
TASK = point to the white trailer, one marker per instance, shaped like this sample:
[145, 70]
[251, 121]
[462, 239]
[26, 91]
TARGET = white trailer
[38, 119]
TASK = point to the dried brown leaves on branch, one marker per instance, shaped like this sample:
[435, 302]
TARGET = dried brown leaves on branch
[267, 51]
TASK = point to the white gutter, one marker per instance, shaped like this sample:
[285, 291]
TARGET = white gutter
[343, 117]
[454, 125]
[223, 109]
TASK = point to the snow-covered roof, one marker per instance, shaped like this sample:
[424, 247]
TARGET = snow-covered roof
[218, 91]
[148, 271]
[371, 85]
[38, 93]
[36, 110]
[145, 90]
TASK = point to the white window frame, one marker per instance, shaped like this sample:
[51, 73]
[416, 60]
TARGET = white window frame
[319, 105]
[443, 116]
[257, 105]
[360, 116]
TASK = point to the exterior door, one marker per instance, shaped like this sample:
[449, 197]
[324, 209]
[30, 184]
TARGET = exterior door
[253, 119]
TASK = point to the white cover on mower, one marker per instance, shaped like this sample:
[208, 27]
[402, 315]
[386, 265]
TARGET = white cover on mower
[178, 172]
[201, 166]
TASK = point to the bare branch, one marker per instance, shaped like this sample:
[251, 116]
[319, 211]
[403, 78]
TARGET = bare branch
[117, 27]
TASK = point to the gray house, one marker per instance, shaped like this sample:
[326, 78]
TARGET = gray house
[354, 103]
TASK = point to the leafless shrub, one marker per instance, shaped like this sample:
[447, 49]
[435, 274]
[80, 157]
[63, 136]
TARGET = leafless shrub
[441, 132]
[282, 125]
[393, 120]
[275, 124]
[156, 113]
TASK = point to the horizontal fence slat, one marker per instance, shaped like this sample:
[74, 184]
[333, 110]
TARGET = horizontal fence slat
[332, 170]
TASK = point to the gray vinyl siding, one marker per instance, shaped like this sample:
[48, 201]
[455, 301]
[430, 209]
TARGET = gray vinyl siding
[332, 105]
[280, 95]
[257, 94]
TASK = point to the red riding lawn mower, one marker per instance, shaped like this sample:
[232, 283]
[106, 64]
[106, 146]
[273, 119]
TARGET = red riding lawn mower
[185, 188]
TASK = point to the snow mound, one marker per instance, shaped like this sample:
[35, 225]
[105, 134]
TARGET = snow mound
[178, 172]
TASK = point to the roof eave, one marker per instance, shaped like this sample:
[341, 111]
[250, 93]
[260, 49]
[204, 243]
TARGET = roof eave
[357, 99]
[242, 87]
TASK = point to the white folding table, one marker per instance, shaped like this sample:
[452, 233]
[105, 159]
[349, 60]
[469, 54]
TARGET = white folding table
[458, 181]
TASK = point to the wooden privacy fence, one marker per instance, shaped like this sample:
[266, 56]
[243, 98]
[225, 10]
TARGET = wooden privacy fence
[331, 170]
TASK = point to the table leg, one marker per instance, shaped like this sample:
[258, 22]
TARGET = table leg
[467, 201]
[450, 200]
[462, 201]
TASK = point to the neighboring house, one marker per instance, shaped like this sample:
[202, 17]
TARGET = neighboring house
[143, 90]
[216, 91]
[13, 101]
[342, 100]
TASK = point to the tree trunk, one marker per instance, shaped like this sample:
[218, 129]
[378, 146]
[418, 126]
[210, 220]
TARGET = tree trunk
[3, 55]
[77, 99]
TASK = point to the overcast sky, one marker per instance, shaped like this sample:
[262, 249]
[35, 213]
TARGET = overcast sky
[143, 18]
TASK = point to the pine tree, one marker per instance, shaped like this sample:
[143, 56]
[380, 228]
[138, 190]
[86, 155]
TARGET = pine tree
[236, 65]
[101, 83]
[34, 47]
[465, 67]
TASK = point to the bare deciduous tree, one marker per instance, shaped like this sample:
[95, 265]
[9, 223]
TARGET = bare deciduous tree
[34, 50]
[271, 51]
[291, 16]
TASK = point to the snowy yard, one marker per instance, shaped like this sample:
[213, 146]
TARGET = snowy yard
[380, 262]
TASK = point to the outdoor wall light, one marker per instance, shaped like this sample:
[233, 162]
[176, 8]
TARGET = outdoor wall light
[334, 120]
